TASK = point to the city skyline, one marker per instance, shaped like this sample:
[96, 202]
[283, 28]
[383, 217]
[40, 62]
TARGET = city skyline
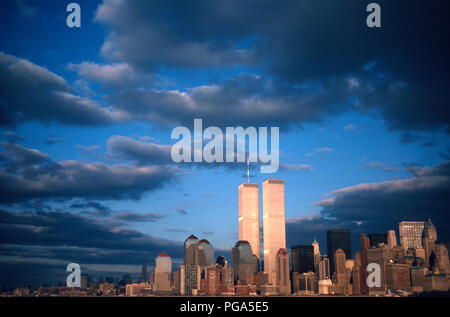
[87, 115]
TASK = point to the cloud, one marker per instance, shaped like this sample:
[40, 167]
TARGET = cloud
[13, 137]
[89, 150]
[378, 207]
[320, 150]
[295, 167]
[350, 127]
[25, 10]
[114, 75]
[48, 241]
[166, 36]
[29, 174]
[424, 194]
[31, 92]
[94, 208]
[137, 217]
[245, 99]
[362, 69]
[127, 149]
[176, 230]
[50, 141]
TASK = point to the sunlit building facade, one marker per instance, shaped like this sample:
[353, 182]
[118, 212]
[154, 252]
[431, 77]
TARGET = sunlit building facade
[274, 236]
[249, 215]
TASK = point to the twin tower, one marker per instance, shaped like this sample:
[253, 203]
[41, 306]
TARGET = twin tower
[274, 228]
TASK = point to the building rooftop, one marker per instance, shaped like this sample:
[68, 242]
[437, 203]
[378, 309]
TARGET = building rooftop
[192, 237]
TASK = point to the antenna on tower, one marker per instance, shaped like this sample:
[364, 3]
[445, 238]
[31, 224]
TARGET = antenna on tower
[248, 171]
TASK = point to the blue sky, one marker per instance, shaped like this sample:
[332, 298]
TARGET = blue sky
[349, 114]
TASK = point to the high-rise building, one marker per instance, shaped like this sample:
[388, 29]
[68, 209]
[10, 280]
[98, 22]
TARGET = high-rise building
[176, 282]
[430, 230]
[391, 239]
[190, 246]
[144, 277]
[429, 240]
[322, 268]
[205, 253]
[282, 272]
[377, 238]
[212, 280]
[227, 279]
[302, 258]
[315, 244]
[163, 274]
[249, 215]
[338, 239]
[244, 262]
[198, 252]
[364, 245]
[83, 281]
[411, 233]
[274, 229]
[342, 274]
[190, 279]
[339, 261]
[356, 274]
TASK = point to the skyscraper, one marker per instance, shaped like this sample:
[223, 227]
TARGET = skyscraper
[144, 277]
[190, 246]
[273, 224]
[391, 239]
[322, 268]
[163, 274]
[411, 233]
[302, 258]
[364, 246]
[190, 278]
[315, 244]
[198, 252]
[244, 262]
[249, 215]
[282, 272]
[205, 252]
[338, 239]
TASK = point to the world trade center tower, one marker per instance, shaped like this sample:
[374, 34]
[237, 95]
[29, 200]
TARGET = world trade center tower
[273, 224]
[249, 215]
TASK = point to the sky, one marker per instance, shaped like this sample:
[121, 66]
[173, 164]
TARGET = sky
[86, 116]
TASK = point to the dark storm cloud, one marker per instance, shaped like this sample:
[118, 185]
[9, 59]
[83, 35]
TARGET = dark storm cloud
[400, 70]
[37, 246]
[427, 193]
[30, 92]
[196, 34]
[65, 236]
[378, 207]
[27, 174]
[245, 99]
